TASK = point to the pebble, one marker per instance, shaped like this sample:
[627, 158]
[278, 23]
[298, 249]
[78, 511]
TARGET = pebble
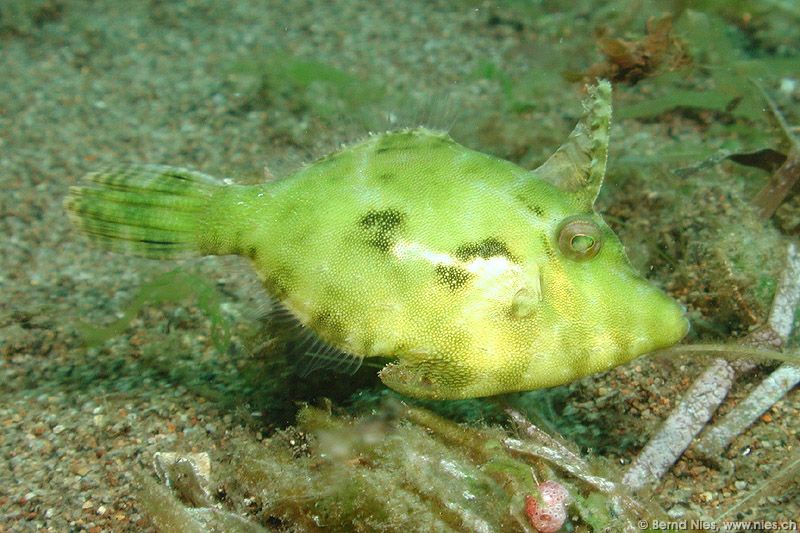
[677, 512]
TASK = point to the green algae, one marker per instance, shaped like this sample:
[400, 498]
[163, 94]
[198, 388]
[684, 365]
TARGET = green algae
[722, 64]
[169, 514]
[171, 287]
[402, 468]
[306, 89]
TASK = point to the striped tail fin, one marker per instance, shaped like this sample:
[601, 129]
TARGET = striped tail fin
[154, 211]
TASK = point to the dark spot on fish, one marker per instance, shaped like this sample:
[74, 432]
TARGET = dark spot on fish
[278, 285]
[329, 323]
[236, 244]
[533, 208]
[489, 247]
[385, 218]
[387, 176]
[411, 139]
[211, 243]
[394, 141]
[452, 276]
[382, 226]
[547, 247]
[252, 252]
[275, 287]
[176, 175]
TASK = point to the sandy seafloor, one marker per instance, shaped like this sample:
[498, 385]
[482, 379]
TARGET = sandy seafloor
[87, 84]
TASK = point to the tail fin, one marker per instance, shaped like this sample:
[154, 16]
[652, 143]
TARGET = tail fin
[148, 210]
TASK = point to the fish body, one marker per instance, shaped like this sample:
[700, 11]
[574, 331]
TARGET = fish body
[478, 276]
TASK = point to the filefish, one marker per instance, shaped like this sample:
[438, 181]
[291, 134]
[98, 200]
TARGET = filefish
[473, 275]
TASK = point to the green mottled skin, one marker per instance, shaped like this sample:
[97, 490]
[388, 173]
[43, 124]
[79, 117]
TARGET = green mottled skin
[411, 246]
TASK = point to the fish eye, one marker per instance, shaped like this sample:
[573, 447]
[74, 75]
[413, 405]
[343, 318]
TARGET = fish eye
[579, 238]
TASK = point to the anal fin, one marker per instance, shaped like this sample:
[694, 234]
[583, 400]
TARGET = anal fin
[307, 350]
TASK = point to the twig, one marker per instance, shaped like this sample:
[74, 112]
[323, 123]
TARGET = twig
[771, 390]
[781, 182]
[707, 392]
[682, 425]
[787, 296]
[540, 445]
[543, 446]
[777, 188]
[777, 384]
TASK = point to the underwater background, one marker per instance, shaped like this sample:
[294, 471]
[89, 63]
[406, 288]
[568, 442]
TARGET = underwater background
[142, 396]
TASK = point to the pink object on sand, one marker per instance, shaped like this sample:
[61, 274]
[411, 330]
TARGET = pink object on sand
[548, 513]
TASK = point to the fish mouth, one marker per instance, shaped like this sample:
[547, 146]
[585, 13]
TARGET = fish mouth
[670, 326]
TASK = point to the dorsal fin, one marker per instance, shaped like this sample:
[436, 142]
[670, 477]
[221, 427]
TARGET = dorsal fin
[579, 165]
